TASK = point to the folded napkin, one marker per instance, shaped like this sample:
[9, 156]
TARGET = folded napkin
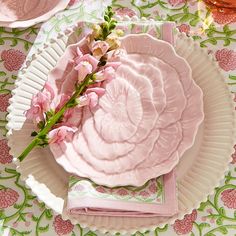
[157, 197]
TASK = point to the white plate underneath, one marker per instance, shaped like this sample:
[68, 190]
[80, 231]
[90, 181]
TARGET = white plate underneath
[198, 173]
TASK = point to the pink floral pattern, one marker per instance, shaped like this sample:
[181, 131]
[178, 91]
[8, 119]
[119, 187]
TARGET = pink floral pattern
[122, 192]
[228, 197]
[124, 11]
[5, 157]
[184, 28]
[222, 18]
[226, 59]
[8, 197]
[62, 227]
[13, 59]
[185, 225]
[4, 102]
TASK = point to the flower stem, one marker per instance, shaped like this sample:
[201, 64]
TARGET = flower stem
[53, 120]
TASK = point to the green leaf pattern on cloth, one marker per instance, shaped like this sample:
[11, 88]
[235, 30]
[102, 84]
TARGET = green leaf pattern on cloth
[20, 212]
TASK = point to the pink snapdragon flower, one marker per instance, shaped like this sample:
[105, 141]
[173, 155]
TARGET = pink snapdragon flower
[91, 96]
[107, 74]
[40, 103]
[99, 48]
[61, 133]
[86, 64]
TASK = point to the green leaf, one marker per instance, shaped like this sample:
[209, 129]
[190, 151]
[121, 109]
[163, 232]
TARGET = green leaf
[73, 233]
[194, 22]
[15, 31]
[34, 218]
[192, 234]
[26, 45]
[235, 214]
[219, 221]
[222, 211]
[210, 234]
[233, 77]
[204, 225]
[213, 41]
[43, 229]
[30, 197]
[17, 206]
[2, 73]
[203, 206]
[186, 18]
[28, 205]
[2, 41]
[49, 214]
[223, 230]
[90, 233]
[196, 37]
[14, 42]
[226, 28]
[227, 42]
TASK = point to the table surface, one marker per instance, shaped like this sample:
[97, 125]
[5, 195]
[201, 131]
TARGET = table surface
[20, 212]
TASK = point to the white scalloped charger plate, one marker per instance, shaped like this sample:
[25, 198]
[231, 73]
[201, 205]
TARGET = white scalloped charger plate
[198, 173]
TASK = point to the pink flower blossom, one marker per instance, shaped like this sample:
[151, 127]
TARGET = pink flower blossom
[99, 48]
[184, 28]
[100, 189]
[13, 59]
[185, 225]
[40, 103]
[107, 73]
[5, 157]
[192, 217]
[153, 188]
[144, 194]
[176, 2]
[60, 134]
[91, 97]
[124, 11]
[228, 197]
[222, 18]
[8, 197]
[62, 227]
[226, 59]
[122, 192]
[4, 102]
[86, 64]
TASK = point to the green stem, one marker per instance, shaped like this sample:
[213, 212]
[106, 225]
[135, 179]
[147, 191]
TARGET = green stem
[37, 225]
[80, 230]
[231, 83]
[216, 229]
[199, 229]
[8, 177]
[203, 43]
[159, 2]
[53, 120]
[20, 32]
[18, 39]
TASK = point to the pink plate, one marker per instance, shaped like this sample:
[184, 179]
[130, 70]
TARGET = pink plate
[24, 13]
[146, 120]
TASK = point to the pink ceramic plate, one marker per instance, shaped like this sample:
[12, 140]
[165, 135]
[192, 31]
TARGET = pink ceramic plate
[24, 13]
[146, 120]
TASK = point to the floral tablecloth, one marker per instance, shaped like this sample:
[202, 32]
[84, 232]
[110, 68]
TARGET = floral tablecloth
[20, 212]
